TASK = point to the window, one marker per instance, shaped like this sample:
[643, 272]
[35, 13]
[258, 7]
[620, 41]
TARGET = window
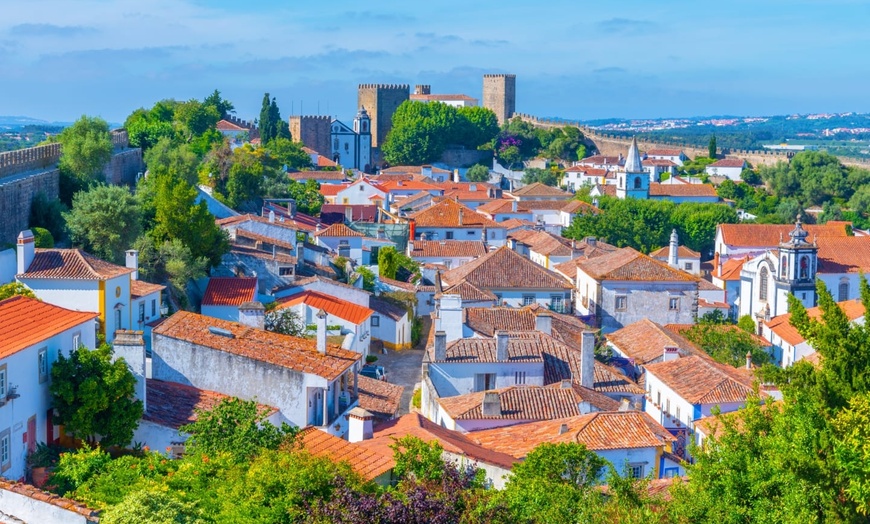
[519, 377]
[687, 266]
[678, 413]
[783, 267]
[658, 398]
[42, 364]
[5, 451]
[557, 304]
[285, 271]
[762, 284]
[448, 235]
[805, 267]
[528, 300]
[635, 471]
[76, 340]
[674, 304]
[117, 318]
[376, 321]
[637, 183]
[470, 232]
[668, 406]
[484, 381]
[621, 302]
[335, 145]
[843, 291]
[3, 381]
[142, 312]
[361, 188]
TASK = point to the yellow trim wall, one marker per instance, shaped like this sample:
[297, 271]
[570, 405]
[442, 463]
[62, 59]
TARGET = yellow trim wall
[102, 299]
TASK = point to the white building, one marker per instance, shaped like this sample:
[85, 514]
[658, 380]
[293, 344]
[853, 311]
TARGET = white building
[345, 319]
[352, 148]
[390, 323]
[674, 155]
[727, 167]
[33, 334]
[679, 257]
[224, 295]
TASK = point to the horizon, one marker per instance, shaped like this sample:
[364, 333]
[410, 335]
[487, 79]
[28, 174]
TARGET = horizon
[629, 61]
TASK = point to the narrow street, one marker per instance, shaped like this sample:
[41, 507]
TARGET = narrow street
[403, 367]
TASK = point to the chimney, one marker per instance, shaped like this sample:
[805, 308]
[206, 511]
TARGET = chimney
[717, 261]
[26, 250]
[672, 252]
[501, 346]
[291, 208]
[133, 263]
[456, 177]
[359, 425]
[252, 314]
[130, 346]
[300, 255]
[544, 322]
[440, 346]
[271, 216]
[491, 404]
[513, 206]
[426, 171]
[450, 313]
[748, 360]
[460, 217]
[321, 331]
[670, 353]
[563, 428]
[512, 243]
[587, 360]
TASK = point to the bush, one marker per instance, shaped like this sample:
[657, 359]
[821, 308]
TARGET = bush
[48, 214]
[42, 238]
[416, 330]
[416, 400]
[371, 358]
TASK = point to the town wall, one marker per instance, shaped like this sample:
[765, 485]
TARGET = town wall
[16, 195]
[465, 157]
[314, 131]
[381, 101]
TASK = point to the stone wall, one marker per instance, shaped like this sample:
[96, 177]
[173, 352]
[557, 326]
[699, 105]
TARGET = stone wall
[500, 95]
[381, 101]
[124, 167]
[465, 157]
[313, 131]
[16, 196]
[32, 158]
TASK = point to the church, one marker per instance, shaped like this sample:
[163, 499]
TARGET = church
[352, 147]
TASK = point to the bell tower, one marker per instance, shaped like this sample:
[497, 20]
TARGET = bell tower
[632, 181]
[362, 126]
[798, 264]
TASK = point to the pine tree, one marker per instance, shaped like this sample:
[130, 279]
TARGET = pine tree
[266, 123]
[711, 148]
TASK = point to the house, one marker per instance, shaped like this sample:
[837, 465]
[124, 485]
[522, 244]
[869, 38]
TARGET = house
[335, 213]
[646, 342]
[450, 220]
[679, 257]
[539, 191]
[310, 382]
[33, 334]
[391, 324]
[470, 194]
[636, 181]
[503, 209]
[579, 176]
[658, 167]
[673, 155]
[553, 215]
[372, 464]
[543, 248]
[342, 240]
[361, 191]
[281, 232]
[74, 279]
[738, 240]
[726, 276]
[450, 254]
[380, 398]
[325, 286]
[486, 321]
[727, 167]
[633, 442]
[624, 286]
[321, 177]
[271, 270]
[425, 173]
[344, 319]
[514, 280]
[224, 295]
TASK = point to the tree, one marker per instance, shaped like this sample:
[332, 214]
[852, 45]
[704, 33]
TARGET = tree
[193, 118]
[285, 321]
[87, 147]
[390, 262]
[224, 107]
[236, 427]
[746, 323]
[14, 289]
[727, 344]
[368, 277]
[171, 263]
[711, 147]
[42, 238]
[245, 181]
[105, 221]
[477, 173]
[48, 214]
[548, 177]
[476, 127]
[94, 397]
[152, 507]
[418, 460]
[288, 154]
[421, 132]
[271, 124]
[307, 195]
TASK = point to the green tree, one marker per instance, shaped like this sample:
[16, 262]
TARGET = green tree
[168, 158]
[152, 507]
[368, 277]
[390, 262]
[87, 147]
[224, 107]
[697, 223]
[48, 214]
[271, 124]
[727, 344]
[245, 181]
[193, 118]
[172, 264]
[477, 173]
[144, 128]
[421, 132]
[285, 321]
[94, 396]
[105, 221]
[42, 238]
[418, 460]
[13, 289]
[711, 147]
[307, 195]
[477, 127]
[746, 323]
[285, 152]
[548, 177]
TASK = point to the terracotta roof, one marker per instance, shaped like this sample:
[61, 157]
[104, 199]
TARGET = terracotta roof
[629, 264]
[645, 341]
[338, 230]
[26, 321]
[238, 250]
[230, 291]
[293, 353]
[404, 185]
[243, 233]
[844, 254]
[770, 235]
[335, 306]
[607, 189]
[731, 269]
[781, 324]
[729, 162]
[316, 175]
[34, 493]
[173, 405]
[387, 308]
[540, 190]
[448, 248]
[682, 252]
[611, 380]
[597, 431]
[332, 189]
[378, 397]
[413, 424]
[568, 206]
[140, 288]
[523, 346]
[700, 380]
[546, 243]
[502, 205]
[514, 223]
[682, 190]
[469, 292]
[369, 463]
[601, 159]
[449, 213]
[526, 403]
[487, 320]
[664, 152]
[504, 269]
[72, 264]
[241, 219]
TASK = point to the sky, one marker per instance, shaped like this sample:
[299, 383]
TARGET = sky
[60, 59]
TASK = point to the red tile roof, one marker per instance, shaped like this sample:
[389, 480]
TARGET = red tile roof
[26, 321]
[448, 248]
[526, 403]
[597, 431]
[405, 185]
[729, 162]
[230, 291]
[335, 306]
[539, 190]
[629, 264]
[369, 463]
[844, 254]
[72, 264]
[682, 252]
[36, 494]
[293, 353]
[731, 269]
[770, 235]
[332, 189]
[681, 190]
[469, 292]
[338, 230]
[504, 268]
[601, 160]
[781, 324]
[302, 176]
[449, 213]
[241, 219]
[700, 380]
[225, 125]
[664, 152]
[173, 405]
[378, 397]
[139, 288]
[645, 341]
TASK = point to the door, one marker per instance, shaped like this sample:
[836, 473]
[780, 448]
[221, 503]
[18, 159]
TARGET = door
[31, 434]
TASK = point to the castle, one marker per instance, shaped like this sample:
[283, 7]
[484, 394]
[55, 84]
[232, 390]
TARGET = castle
[500, 96]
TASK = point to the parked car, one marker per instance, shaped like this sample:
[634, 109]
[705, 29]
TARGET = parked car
[375, 372]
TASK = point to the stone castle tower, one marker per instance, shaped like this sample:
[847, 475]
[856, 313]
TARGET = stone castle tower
[500, 95]
[381, 101]
[313, 131]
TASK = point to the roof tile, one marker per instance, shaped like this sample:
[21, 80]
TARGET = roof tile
[369, 463]
[72, 264]
[26, 321]
[504, 268]
[353, 313]
[230, 291]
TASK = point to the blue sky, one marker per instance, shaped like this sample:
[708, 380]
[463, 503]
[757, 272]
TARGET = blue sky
[60, 59]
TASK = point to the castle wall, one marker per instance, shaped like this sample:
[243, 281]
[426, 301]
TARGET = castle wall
[124, 167]
[381, 101]
[16, 196]
[465, 157]
[500, 95]
[313, 131]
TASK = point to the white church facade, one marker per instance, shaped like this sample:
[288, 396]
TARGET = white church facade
[352, 147]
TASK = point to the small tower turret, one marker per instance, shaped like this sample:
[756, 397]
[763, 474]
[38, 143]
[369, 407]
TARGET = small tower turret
[632, 181]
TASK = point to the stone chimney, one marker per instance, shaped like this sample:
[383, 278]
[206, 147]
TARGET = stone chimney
[673, 251]
[26, 250]
[670, 353]
[359, 425]
[513, 206]
[440, 346]
[491, 404]
[130, 346]
[271, 216]
[544, 322]
[748, 360]
[587, 360]
[252, 314]
[133, 263]
[320, 320]
[501, 346]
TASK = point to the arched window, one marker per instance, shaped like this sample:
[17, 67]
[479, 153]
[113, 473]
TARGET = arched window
[805, 267]
[783, 267]
[843, 291]
[762, 284]
[335, 144]
[637, 182]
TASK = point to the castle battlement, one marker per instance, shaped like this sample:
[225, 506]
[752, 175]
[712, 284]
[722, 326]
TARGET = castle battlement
[495, 75]
[385, 86]
[312, 118]
[239, 122]
[21, 160]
